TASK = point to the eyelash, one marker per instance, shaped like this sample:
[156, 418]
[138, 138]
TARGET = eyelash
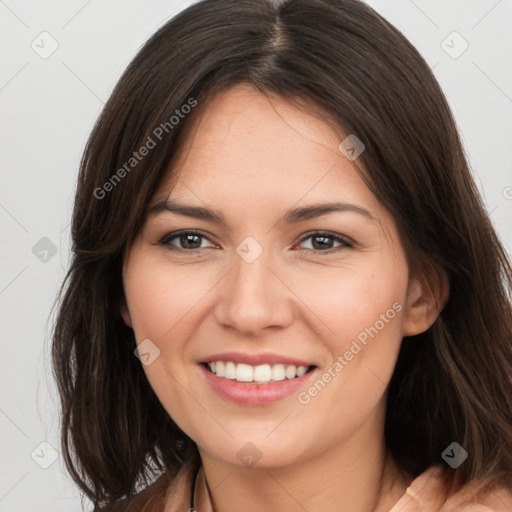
[165, 241]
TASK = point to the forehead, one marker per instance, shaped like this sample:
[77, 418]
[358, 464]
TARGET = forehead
[243, 148]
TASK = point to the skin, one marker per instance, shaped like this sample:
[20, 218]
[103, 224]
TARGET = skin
[252, 158]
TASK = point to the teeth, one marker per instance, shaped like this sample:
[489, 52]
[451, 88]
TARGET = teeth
[290, 371]
[244, 372]
[278, 372]
[230, 370]
[301, 370]
[261, 374]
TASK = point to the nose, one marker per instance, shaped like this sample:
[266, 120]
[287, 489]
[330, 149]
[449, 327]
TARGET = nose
[253, 297]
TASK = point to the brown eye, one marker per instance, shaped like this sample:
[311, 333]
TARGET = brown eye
[187, 240]
[323, 242]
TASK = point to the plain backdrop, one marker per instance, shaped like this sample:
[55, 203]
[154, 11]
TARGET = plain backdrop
[49, 103]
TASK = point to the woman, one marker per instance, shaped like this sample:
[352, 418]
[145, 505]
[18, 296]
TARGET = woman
[285, 291]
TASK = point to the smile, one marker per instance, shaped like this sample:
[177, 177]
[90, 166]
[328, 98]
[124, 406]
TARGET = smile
[261, 374]
[256, 380]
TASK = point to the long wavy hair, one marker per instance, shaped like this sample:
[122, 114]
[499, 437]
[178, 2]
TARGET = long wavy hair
[342, 61]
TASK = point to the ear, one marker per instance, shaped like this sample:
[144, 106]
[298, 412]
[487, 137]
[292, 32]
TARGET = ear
[125, 313]
[426, 297]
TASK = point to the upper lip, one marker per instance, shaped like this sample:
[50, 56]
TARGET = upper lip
[255, 359]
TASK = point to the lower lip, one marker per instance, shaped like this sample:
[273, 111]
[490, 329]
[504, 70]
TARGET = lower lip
[245, 393]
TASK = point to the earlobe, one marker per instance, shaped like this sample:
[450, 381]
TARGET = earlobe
[425, 300]
[126, 315]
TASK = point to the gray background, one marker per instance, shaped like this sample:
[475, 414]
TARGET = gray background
[48, 106]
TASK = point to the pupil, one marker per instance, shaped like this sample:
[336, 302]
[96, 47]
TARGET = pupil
[323, 244]
[185, 240]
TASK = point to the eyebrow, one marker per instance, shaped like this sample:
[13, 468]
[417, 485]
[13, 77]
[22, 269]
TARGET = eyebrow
[293, 216]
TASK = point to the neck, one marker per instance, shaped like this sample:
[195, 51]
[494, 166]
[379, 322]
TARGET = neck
[357, 475]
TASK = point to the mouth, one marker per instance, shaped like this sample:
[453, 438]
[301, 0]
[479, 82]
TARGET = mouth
[259, 374]
[258, 384]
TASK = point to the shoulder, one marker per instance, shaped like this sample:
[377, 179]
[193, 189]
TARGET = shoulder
[434, 491]
[476, 496]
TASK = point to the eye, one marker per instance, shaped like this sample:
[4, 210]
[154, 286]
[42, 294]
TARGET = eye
[321, 242]
[190, 241]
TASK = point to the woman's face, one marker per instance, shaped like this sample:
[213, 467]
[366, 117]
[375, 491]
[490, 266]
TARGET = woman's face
[264, 293]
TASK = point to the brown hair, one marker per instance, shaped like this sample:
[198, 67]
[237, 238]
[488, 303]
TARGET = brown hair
[452, 383]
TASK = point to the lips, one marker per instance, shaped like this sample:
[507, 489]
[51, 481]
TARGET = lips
[256, 359]
[255, 379]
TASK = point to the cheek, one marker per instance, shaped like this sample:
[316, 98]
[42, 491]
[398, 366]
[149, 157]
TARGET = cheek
[161, 304]
[161, 299]
[361, 311]
[344, 301]
[366, 317]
